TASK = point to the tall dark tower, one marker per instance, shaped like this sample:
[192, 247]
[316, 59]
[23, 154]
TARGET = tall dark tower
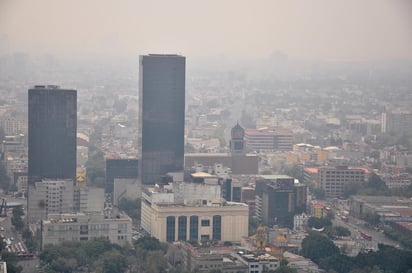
[52, 133]
[161, 115]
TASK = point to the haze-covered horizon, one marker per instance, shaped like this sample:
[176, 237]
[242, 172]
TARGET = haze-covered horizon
[328, 30]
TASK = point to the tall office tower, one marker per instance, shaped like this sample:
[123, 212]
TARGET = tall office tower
[52, 133]
[161, 115]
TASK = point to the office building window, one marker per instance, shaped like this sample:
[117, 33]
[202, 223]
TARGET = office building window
[194, 228]
[170, 229]
[217, 227]
[182, 228]
[205, 223]
[84, 229]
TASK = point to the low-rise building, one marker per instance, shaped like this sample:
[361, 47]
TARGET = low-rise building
[334, 180]
[265, 139]
[257, 263]
[185, 257]
[116, 227]
[171, 214]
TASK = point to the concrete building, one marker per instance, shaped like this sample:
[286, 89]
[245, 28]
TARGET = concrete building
[185, 257]
[265, 139]
[162, 115]
[115, 227]
[397, 180]
[396, 122]
[3, 267]
[238, 164]
[88, 199]
[258, 263]
[181, 216]
[13, 125]
[334, 180]
[390, 208]
[49, 197]
[188, 258]
[128, 188]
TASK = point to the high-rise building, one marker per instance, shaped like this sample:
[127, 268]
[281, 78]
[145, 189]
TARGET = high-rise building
[162, 115]
[120, 168]
[52, 133]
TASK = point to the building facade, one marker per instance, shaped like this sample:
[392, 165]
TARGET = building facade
[49, 197]
[334, 180]
[278, 199]
[82, 227]
[269, 139]
[52, 133]
[161, 116]
[177, 216]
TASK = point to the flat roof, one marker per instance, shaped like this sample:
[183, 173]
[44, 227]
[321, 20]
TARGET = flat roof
[275, 176]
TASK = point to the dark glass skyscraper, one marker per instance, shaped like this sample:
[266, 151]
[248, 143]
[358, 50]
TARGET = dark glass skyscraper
[52, 133]
[162, 115]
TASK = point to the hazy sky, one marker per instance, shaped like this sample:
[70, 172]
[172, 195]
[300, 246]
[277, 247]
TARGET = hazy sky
[321, 29]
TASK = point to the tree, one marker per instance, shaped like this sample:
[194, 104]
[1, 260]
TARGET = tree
[342, 231]
[316, 246]
[375, 182]
[150, 243]
[11, 260]
[69, 256]
[150, 255]
[96, 165]
[339, 263]
[111, 262]
[371, 218]
[319, 193]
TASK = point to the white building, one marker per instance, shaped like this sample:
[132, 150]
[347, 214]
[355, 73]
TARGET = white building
[258, 263]
[129, 188]
[300, 221]
[194, 212]
[61, 196]
[49, 197]
[117, 228]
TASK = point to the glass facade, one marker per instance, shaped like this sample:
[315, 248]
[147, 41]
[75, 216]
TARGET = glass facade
[217, 227]
[182, 228]
[120, 168]
[162, 115]
[194, 228]
[170, 228]
[52, 123]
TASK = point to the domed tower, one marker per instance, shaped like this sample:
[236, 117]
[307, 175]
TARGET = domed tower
[237, 145]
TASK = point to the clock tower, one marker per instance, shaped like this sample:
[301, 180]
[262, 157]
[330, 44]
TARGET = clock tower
[237, 143]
